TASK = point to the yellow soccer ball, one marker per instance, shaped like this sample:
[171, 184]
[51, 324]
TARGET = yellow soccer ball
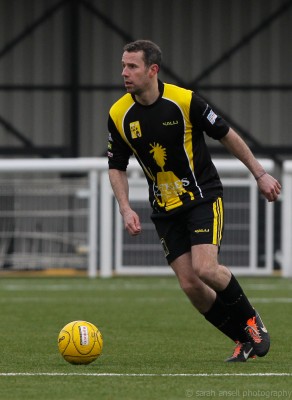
[80, 342]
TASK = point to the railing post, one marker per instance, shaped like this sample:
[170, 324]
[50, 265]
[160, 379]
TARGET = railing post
[287, 219]
[106, 226]
[92, 224]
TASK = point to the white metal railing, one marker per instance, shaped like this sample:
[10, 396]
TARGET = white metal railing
[286, 222]
[91, 166]
[233, 174]
[102, 209]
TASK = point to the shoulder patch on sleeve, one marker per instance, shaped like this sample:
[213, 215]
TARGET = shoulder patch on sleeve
[212, 117]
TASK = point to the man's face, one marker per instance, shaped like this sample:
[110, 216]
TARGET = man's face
[135, 73]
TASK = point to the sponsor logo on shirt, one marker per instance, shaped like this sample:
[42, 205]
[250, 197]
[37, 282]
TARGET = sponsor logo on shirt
[170, 123]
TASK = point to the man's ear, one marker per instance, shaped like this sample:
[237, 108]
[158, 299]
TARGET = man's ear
[153, 70]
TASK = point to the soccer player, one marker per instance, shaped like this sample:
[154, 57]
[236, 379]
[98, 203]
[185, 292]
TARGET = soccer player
[163, 126]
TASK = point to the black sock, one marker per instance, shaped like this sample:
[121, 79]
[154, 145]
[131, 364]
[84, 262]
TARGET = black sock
[218, 316]
[236, 302]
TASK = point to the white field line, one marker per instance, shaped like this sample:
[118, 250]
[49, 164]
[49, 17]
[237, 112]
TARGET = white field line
[269, 300]
[126, 286]
[262, 374]
[152, 299]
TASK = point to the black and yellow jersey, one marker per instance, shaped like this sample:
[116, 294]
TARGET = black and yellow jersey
[167, 138]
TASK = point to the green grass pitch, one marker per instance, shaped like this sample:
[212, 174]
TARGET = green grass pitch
[156, 346]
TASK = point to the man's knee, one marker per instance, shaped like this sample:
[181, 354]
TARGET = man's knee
[205, 270]
[191, 284]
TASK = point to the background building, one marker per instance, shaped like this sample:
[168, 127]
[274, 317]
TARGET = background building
[60, 68]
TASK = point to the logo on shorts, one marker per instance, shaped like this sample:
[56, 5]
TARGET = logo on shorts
[165, 248]
[202, 230]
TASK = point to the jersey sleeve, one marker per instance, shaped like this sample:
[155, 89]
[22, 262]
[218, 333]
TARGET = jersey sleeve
[203, 117]
[118, 151]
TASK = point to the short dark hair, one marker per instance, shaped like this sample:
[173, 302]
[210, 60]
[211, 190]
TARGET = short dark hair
[152, 52]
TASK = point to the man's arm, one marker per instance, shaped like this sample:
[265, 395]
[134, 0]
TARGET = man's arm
[268, 185]
[119, 182]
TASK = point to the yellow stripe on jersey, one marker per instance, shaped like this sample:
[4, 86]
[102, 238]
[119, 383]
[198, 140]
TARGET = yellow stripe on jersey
[218, 221]
[118, 111]
[182, 98]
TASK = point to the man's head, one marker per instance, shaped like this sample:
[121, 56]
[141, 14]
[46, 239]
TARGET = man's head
[151, 52]
[141, 61]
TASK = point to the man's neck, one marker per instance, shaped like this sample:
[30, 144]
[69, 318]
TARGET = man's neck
[148, 97]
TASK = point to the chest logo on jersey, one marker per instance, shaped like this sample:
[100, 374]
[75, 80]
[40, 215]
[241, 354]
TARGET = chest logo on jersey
[135, 129]
[168, 187]
[170, 123]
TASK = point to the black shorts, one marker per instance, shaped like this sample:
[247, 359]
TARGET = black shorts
[202, 224]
